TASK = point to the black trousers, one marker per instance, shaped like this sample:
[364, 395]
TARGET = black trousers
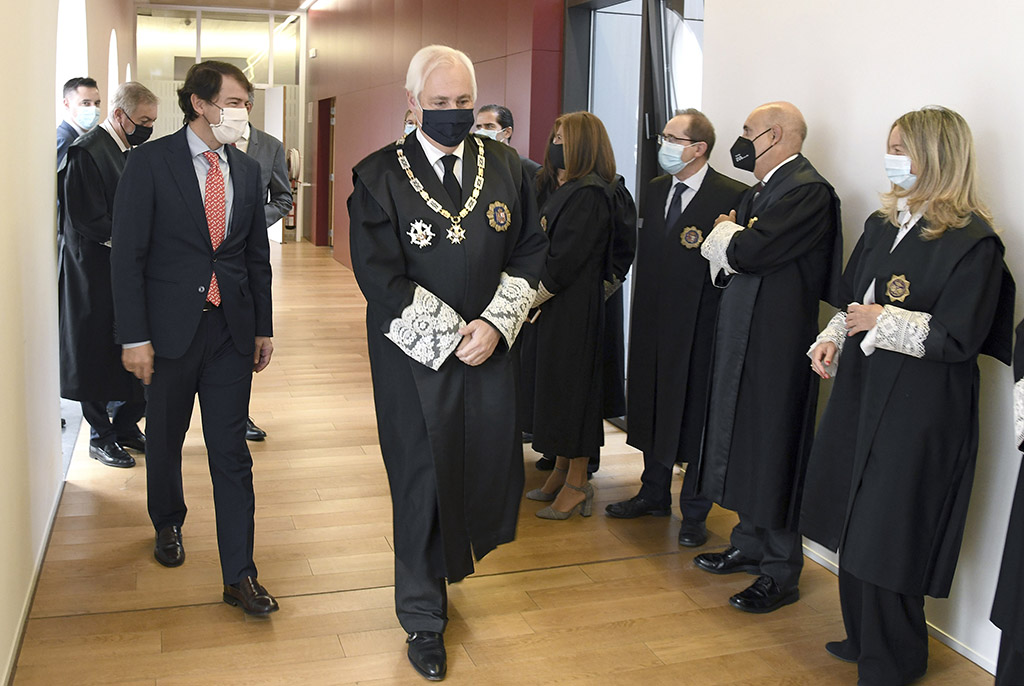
[104, 428]
[780, 551]
[886, 629]
[222, 377]
[656, 485]
[1010, 668]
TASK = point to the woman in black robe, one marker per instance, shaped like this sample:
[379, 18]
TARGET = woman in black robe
[574, 189]
[892, 465]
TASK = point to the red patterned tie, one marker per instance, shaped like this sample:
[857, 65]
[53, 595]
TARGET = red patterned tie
[215, 213]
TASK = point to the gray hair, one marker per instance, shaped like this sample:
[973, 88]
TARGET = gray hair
[130, 95]
[430, 58]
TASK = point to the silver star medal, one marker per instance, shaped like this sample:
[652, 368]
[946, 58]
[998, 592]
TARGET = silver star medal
[456, 234]
[420, 234]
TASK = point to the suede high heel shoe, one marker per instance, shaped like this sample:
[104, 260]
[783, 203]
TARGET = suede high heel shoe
[541, 495]
[586, 506]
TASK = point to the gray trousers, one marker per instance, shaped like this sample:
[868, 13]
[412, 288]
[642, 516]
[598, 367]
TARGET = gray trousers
[779, 551]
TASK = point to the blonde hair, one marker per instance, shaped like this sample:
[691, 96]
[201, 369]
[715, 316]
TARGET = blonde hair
[430, 58]
[587, 149]
[939, 143]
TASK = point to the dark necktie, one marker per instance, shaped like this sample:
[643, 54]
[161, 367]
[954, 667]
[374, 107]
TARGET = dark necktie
[675, 208]
[450, 183]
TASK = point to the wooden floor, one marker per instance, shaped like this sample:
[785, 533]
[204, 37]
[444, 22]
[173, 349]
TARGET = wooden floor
[584, 601]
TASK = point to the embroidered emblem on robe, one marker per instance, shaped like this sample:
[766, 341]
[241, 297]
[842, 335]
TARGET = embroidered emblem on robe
[420, 234]
[498, 216]
[691, 237]
[898, 288]
[456, 234]
[750, 224]
[544, 224]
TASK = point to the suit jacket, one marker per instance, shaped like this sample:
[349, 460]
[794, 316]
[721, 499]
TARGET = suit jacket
[269, 152]
[66, 134]
[162, 257]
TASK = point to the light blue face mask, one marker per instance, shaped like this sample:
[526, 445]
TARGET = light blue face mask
[669, 157]
[488, 133]
[87, 117]
[409, 128]
[897, 168]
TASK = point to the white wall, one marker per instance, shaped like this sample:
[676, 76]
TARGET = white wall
[853, 68]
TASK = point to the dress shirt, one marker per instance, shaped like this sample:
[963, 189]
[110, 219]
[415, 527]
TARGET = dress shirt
[692, 186]
[108, 126]
[243, 142]
[776, 168]
[197, 147]
[434, 157]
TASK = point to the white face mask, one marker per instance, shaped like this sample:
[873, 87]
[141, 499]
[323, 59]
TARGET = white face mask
[897, 168]
[87, 117]
[233, 121]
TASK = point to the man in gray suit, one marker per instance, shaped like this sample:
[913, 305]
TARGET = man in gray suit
[269, 152]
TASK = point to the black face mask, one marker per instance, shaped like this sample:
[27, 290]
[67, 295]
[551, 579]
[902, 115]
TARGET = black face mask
[743, 154]
[448, 127]
[140, 135]
[556, 153]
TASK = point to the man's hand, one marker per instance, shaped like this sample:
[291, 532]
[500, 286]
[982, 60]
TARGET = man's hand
[861, 318]
[822, 356]
[139, 361]
[480, 339]
[261, 356]
[731, 217]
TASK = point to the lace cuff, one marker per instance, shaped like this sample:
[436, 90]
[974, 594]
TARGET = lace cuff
[428, 330]
[1018, 411]
[902, 331]
[834, 331]
[543, 295]
[714, 248]
[509, 306]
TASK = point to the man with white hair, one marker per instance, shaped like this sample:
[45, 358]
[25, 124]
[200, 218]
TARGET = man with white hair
[447, 248]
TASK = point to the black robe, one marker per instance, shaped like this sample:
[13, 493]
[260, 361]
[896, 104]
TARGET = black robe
[90, 360]
[673, 319]
[456, 421]
[892, 466]
[761, 402]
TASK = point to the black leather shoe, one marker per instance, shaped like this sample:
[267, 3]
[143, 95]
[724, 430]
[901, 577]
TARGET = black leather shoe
[545, 463]
[168, 550]
[730, 561]
[135, 442]
[693, 534]
[842, 650]
[636, 507]
[112, 455]
[764, 595]
[426, 654]
[251, 597]
[253, 432]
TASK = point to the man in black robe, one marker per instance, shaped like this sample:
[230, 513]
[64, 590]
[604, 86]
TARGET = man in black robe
[444, 231]
[90, 360]
[82, 112]
[672, 323]
[776, 256]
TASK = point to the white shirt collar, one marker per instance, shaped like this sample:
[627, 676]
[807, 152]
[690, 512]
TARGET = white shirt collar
[432, 152]
[693, 182]
[776, 168]
[108, 126]
[246, 133]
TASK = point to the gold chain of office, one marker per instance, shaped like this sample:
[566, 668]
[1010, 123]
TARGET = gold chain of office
[456, 233]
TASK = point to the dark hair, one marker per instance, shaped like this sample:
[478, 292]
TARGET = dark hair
[204, 81]
[502, 114]
[72, 85]
[700, 128]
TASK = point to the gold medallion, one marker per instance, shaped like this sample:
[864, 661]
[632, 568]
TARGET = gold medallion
[750, 224]
[499, 216]
[691, 237]
[544, 224]
[898, 288]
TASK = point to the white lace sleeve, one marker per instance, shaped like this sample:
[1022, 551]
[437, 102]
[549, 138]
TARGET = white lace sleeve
[428, 330]
[509, 306]
[1018, 411]
[714, 247]
[902, 331]
[834, 331]
[543, 295]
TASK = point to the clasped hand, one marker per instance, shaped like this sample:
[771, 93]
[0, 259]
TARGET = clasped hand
[478, 342]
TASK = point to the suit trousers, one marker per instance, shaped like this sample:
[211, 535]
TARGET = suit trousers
[780, 551]
[886, 629]
[656, 485]
[1010, 668]
[105, 428]
[222, 377]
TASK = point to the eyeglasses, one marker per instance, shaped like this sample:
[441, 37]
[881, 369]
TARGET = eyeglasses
[665, 138]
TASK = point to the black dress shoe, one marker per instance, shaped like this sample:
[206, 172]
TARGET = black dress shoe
[545, 463]
[842, 650]
[764, 595]
[135, 442]
[730, 561]
[251, 597]
[168, 550]
[426, 654]
[112, 455]
[253, 432]
[636, 507]
[693, 534]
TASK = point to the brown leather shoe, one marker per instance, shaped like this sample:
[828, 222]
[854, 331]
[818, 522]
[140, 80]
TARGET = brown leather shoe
[251, 597]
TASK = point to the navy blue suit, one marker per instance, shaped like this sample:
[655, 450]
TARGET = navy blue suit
[162, 259]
